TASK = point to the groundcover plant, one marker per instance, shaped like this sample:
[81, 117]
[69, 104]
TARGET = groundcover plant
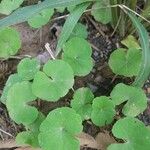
[60, 128]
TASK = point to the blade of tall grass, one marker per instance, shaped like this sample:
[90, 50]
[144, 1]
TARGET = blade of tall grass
[24, 13]
[145, 44]
[114, 11]
[70, 24]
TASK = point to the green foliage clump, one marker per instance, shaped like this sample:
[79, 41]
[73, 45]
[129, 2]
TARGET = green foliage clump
[30, 137]
[58, 131]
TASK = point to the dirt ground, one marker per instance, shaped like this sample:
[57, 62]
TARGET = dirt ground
[101, 80]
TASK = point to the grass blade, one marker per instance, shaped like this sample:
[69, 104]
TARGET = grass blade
[24, 13]
[115, 12]
[70, 24]
[144, 40]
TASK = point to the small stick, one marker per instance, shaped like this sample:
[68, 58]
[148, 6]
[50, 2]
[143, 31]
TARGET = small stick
[49, 50]
[1, 130]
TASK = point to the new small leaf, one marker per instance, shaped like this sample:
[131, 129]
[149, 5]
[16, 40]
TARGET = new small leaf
[103, 111]
[27, 68]
[41, 18]
[82, 102]
[131, 42]
[79, 31]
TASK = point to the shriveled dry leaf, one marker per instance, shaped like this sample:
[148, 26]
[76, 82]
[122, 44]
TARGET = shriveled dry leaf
[11, 143]
[87, 140]
[7, 144]
[104, 139]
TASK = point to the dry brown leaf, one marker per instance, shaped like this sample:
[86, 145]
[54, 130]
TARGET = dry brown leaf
[7, 144]
[87, 140]
[104, 139]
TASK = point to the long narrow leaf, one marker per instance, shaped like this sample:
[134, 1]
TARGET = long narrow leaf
[115, 12]
[23, 14]
[144, 40]
[70, 24]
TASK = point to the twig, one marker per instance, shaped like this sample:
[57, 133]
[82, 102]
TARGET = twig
[49, 50]
[109, 6]
[94, 47]
[123, 6]
[61, 17]
[1, 130]
[116, 26]
[96, 26]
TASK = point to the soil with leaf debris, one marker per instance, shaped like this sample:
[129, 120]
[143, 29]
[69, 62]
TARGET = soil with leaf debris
[101, 80]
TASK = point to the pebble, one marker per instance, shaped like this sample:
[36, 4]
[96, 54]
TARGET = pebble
[98, 79]
[93, 88]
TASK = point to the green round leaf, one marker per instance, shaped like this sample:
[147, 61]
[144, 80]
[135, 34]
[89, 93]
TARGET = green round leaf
[54, 82]
[135, 97]
[79, 31]
[103, 111]
[13, 79]
[58, 133]
[125, 63]
[134, 133]
[18, 96]
[82, 102]
[101, 12]
[41, 18]
[7, 6]
[9, 42]
[27, 68]
[77, 52]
